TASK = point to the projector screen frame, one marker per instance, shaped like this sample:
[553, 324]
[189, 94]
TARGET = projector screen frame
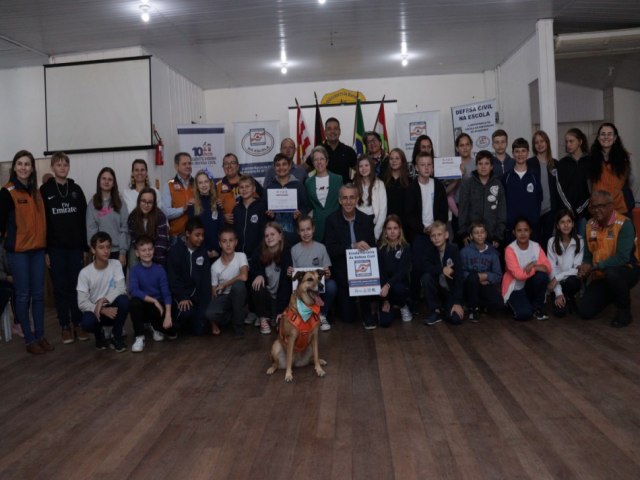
[150, 146]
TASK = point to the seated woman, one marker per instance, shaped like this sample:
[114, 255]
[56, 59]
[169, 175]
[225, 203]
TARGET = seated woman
[526, 276]
[395, 261]
[148, 220]
[565, 252]
[270, 285]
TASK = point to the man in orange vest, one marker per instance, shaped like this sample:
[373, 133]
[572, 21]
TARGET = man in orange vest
[177, 195]
[610, 265]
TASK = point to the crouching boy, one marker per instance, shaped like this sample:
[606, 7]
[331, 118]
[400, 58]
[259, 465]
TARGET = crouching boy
[102, 295]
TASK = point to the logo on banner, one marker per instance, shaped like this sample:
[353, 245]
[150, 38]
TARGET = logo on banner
[483, 141]
[362, 268]
[257, 142]
[416, 129]
[203, 155]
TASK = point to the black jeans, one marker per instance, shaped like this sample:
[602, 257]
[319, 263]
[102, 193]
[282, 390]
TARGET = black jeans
[614, 288]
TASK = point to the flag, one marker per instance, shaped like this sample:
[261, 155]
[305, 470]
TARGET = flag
[302, 138]
[380, 127]
[358, 130]
[319, 137]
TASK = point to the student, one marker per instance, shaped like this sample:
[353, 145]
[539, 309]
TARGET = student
[523, 192]
[248, 216]
[284, 180]
[396, 181]
[425, 203]
[482, 199]
[422, 144]
[227, 187]
[23, 224]
[150, 296]
[442, 278]
[565, 252]
[543, 165]
[190, 279]
[571, 176]
[372, 196]
[524, 283]
[270, 285]
[308, 253]
[482, 273]
[102, 295]
[501, 160]
[395, 262]
[206, 207]
[107, 213]
[229, 274]
[610, 166]
[322, 191]
[463, 144]
[139, 180]
[65, 208]
[147, 220]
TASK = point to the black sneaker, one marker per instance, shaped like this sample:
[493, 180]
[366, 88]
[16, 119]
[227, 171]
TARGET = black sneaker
[118, 345]
[474, 315]
[101, 342]
[454, 319]
[540, 315]
[432, 319]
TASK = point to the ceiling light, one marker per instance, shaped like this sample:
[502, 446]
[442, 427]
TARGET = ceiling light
[404, 55]
[144, 8]
[405, 62]
[284, 69]
[322, 2]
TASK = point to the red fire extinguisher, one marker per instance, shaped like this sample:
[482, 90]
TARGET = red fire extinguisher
[159, 148]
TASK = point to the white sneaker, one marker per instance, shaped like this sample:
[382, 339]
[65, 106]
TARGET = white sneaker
[108, 332]
[324, 323]
[264, 326]
[405, 313]
[158, 336]
[138, 345]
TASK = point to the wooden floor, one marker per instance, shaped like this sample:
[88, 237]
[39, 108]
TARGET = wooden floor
[494, 400]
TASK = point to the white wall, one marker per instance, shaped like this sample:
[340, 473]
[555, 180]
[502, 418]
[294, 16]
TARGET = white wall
[579, 104]
[514, 76]
[626, 105]
[419, 93]
[22, 120]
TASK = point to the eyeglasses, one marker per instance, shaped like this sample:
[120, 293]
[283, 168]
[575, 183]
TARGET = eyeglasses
[600, 206]
[229, 164]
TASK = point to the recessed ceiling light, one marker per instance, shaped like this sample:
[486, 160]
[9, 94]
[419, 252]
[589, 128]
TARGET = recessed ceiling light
[322, 2]
[144, 8]
[283, 70]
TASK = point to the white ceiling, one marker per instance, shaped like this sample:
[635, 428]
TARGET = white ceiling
[227, 43]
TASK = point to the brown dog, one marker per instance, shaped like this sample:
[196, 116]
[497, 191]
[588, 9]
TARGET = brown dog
[298, 338]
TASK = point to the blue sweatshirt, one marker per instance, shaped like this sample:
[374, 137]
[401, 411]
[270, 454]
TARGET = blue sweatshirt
[523, 198]
[213, 222]
[150, 281]
[481, 261]
[394, 264]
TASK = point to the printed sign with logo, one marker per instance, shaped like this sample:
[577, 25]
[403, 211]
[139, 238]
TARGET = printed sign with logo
[205, 144]
[478, 120]
[256, 145]
[363, 273]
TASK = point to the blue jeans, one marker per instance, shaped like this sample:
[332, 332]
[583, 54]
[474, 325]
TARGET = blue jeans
[329, 295]
[65, 268]
[398, 296]
[28, 279]
[90, 322]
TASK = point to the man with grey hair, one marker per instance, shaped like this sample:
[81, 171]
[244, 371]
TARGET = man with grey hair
[610, 266]
[288, 148]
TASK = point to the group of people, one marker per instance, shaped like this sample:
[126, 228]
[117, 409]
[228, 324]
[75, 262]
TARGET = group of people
[203, 254]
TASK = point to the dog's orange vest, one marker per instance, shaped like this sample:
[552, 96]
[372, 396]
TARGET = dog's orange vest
[303, 328]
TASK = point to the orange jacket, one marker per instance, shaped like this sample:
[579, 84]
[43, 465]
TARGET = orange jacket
[26, 226]
[180, 197]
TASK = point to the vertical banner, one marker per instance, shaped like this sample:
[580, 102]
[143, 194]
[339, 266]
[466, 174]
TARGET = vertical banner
[205, 144]
[409, 126]
[478, 120]
[256, 145]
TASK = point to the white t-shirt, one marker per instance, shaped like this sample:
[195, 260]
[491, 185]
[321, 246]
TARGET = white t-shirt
[322, 189]
[427, 193]
[101, 283]
[221, 273]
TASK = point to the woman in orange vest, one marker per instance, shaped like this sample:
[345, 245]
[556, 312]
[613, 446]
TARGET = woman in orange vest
[610, 167]
[22, 223]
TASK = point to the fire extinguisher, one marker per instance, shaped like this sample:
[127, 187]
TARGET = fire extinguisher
[159, 148]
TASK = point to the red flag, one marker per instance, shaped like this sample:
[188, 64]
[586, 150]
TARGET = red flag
[319, 133]
[302, 138]
[380, 127]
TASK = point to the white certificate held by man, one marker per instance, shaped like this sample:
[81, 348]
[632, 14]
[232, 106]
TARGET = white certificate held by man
[362, 272]
[282, 199]
[447, 168]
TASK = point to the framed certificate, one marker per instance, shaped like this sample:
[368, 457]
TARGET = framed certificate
[282, 199]
[363, 273]
[447, 168]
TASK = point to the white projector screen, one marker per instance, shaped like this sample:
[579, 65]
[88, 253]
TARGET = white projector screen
[98, 106]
